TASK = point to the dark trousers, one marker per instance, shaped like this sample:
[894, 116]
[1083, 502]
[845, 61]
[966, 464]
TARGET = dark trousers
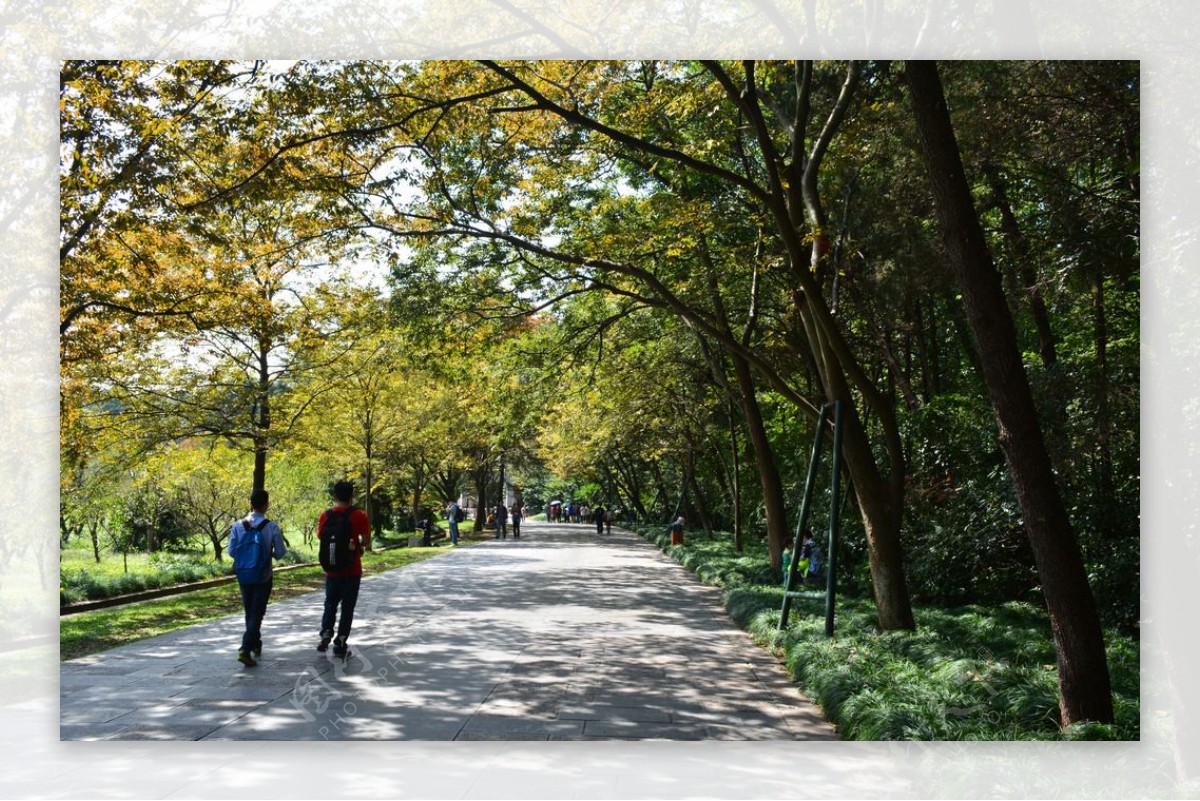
[341, 590]
[254, 601]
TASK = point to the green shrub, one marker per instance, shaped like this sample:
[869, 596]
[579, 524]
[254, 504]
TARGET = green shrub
[162, 570]
[967, 673]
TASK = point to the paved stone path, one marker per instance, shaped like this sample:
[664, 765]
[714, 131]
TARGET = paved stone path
[561, 635]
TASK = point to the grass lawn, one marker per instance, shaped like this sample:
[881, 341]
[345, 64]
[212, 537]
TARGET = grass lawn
[82, 578]
[91, 632]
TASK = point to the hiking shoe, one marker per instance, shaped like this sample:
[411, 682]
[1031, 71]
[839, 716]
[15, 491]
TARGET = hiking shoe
[256, 653]
[246, 659]
[339, 647]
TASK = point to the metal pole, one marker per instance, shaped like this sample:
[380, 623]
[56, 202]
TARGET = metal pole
[809, 483]
[835, 515]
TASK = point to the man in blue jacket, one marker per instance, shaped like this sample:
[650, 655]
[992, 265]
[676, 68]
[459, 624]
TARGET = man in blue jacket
[256, 590]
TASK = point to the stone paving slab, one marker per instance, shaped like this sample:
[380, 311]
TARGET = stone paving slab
[561, 635]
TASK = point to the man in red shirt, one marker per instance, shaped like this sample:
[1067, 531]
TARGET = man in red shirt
[341, 583]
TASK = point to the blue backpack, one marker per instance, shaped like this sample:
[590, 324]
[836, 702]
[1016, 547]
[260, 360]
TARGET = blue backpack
[253, 555]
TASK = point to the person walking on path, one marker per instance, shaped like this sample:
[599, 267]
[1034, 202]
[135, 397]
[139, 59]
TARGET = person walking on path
[452, 515]
[516, 521]
[262, 536]
[501, 522]
[677, 531]
[810, 559]
[343, 534]
[598, 519]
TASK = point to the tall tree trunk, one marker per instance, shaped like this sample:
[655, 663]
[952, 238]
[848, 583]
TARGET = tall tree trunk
[1083, 680]
[880, 495]
[480, 476]
[880, 509]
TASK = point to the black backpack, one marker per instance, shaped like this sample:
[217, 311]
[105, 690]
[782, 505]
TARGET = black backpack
[459, 514]
[336, 554]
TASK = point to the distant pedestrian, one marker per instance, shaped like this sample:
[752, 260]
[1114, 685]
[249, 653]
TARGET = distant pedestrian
[252, 542]
[501, 522]
[453, 510]
[677, 531]
[430, 531]
[608, 520]
[789, 544]
[598, 519]
[343, 534]
[810, 558]
[517, 514]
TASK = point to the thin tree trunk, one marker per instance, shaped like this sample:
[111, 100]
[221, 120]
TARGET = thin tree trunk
[368, 452]
[664, 498]
[94, 532]
[1021, 258]
[418, 489]
[1103, 425]
[736, 478]
[768, 469]
[926, 338]
[1083, 679]
[701, 505]
[633, 485]
[262, 421]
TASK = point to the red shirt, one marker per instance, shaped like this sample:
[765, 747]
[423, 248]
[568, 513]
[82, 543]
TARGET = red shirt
[360, 528]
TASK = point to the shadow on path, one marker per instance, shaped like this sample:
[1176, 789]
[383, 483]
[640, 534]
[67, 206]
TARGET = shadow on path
[562, 634]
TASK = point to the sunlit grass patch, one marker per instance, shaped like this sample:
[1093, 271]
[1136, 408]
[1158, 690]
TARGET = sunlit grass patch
[90, 632]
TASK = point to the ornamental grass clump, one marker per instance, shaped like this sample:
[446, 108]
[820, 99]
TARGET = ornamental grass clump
[966, 673]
